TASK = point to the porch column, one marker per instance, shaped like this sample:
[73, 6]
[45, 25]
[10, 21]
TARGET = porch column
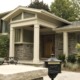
[65, 43]
[36, 44]
[11, 53]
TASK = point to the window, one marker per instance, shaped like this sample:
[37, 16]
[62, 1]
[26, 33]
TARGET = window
[18, 17]
[17, 35]
[0, 27]
[28, 15]
[28, 36]
[4, 26]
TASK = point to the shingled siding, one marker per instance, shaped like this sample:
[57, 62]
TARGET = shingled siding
[24, 51]
[58, 44]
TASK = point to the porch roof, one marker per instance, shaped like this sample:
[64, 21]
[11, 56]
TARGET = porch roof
[74, 26]
[41, 11]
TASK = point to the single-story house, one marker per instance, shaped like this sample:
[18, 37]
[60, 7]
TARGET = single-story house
[35, 34]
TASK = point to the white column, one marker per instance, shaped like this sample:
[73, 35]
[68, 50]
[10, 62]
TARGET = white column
[36, 44]
[11, 53]
[65, 43]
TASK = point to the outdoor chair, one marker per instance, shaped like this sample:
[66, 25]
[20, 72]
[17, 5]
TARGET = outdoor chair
[12, 60]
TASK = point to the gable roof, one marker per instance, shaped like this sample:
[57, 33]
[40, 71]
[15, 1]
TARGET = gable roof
[41, 11]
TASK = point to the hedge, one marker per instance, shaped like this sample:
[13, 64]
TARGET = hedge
[4, 46]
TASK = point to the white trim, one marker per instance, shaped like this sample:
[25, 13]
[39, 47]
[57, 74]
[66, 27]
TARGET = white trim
[68, 29]
[65, 43]
[21, 8]
[24, 23]
[17, 21]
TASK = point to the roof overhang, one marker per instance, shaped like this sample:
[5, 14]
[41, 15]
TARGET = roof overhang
[40, 11]
[69, 28]
[18, 10]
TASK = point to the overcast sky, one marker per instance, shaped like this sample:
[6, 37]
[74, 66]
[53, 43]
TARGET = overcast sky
[7, 5]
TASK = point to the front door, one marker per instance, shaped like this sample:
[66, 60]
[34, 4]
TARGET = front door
[48, 45]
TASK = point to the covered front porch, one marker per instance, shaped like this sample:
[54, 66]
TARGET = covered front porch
[32, 43]
[32, 33]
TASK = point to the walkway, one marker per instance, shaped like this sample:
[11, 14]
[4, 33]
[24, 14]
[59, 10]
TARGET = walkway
[65, 75]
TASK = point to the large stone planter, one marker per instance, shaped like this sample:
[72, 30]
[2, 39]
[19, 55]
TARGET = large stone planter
[21, 72]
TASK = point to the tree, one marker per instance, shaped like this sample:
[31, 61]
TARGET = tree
[66, 9]
[76, 5]
[39, 5]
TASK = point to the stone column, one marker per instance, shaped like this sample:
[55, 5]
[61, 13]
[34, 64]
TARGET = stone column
[65, 43]
[36, 43]
[11, 53]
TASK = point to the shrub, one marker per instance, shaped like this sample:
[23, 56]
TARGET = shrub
[61, 57]
[72, 67]
[78, 47]
[71, 58]
[4, 46]
[78, 60]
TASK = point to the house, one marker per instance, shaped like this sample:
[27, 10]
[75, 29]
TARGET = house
[36, 34]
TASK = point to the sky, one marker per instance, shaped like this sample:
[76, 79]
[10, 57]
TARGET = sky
[7, 5]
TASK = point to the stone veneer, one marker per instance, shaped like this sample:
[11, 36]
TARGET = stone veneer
[24, 51]
[73, 39]
[58, 44]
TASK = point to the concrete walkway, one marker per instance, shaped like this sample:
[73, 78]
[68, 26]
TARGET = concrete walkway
[65, 75]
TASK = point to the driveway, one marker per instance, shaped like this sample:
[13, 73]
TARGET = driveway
[65, 75]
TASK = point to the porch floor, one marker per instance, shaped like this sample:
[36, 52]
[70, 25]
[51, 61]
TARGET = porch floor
[30, 62]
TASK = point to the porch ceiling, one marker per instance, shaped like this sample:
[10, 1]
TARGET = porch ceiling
[43, 29]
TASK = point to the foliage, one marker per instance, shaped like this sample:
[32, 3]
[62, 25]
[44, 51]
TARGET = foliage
[4, 46]
[67, 9]
[39, 5]
[72, 67]
[78, 47]
[78, 60]
[71, 58]
[1, 61]
[76, 5]
[61, 57]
